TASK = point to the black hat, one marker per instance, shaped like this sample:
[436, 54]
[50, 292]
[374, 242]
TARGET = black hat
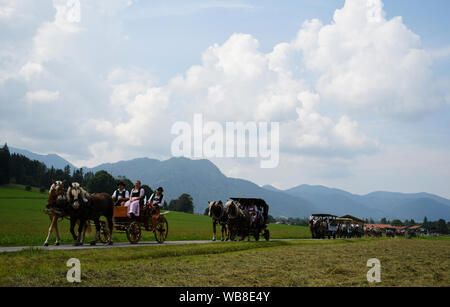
[160, 189]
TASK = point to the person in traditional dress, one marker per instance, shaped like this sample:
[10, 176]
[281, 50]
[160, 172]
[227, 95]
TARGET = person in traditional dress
[155, 202]
[137, 195]
[121, 195]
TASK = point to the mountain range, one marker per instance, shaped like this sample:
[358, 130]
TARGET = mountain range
[49, 160]
[205, 182]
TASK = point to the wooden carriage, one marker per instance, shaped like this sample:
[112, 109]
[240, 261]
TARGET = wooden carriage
[261, 227]
[133, 227]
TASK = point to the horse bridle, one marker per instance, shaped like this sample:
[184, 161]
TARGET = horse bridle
[222, 211]
[78, 199]
[236, 208]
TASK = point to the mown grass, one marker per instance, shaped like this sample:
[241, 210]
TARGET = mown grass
[24, 223]
[279, 263]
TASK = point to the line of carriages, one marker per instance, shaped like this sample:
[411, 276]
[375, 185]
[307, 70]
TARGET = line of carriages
[329, 226]
[324, 225]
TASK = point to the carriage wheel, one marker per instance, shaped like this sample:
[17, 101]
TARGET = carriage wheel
[266, 234]
[162, 229]
[134, 232]
[105, 235]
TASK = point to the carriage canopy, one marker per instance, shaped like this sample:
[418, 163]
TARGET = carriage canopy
[324, 215]
[355, 219]
[343, 220]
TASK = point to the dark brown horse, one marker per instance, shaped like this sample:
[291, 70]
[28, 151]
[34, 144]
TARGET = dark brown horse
[218, 213]
[239, 221]
[85, 207]
[318, 228]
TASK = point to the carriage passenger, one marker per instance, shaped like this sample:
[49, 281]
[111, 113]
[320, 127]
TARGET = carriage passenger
[135, 201]
[155, 203]
[253, 211]
[120, 196]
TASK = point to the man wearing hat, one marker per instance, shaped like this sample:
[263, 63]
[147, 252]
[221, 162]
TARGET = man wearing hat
[120, 196]
[155, 202]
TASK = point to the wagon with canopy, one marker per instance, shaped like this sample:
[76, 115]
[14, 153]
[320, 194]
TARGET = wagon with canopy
[343, 225]
[323, 225]
[259, 227]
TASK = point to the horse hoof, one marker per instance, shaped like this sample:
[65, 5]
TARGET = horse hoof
[77, 244]
[214, 240]
[93, 243]
[57, 244]
[45, 244]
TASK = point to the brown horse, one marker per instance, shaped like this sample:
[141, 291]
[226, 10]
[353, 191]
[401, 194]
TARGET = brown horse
[318, 228]
[239, 221]
[54, 210]
[218, 213]
[86, 207]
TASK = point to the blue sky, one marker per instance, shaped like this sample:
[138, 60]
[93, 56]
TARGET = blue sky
[271, 22]
[362, 97]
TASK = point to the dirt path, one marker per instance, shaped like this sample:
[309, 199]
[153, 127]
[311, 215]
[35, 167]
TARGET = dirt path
[13, 249]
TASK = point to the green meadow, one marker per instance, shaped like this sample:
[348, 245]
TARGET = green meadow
[24, 223]
[287, 263]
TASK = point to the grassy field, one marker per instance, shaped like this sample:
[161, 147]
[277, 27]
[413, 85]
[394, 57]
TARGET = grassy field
[23, 222]
[416, 262]
[278, 263]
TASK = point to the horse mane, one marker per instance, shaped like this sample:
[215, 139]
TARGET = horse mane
[233, 203]
[214, 204]
[52, 196]
[77, 186]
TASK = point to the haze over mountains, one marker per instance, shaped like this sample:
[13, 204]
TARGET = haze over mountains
[205, 182]
[49, 160]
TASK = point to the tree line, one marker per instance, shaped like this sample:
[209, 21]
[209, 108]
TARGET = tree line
[18, 169]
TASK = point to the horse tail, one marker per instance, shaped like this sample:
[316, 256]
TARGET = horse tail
[88, 227]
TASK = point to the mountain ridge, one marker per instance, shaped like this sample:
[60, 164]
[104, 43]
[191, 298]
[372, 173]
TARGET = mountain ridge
[205, 182]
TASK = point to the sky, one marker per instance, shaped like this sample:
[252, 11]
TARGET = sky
[360, 88]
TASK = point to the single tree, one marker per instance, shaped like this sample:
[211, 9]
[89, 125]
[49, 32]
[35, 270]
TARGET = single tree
[183, 204]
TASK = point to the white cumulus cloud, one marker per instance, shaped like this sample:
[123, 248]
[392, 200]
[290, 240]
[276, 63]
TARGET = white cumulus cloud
[368, 63]
[41, 96]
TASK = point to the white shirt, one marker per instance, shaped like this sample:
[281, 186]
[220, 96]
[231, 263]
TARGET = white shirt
[154, 198]
[127, 194]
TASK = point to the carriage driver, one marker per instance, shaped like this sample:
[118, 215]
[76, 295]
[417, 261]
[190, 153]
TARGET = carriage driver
[120, 196]
[155, 203]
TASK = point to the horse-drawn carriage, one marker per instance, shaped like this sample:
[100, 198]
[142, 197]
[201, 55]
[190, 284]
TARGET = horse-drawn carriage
[323, 225]
[133, 227]
[260, 222]
[390, 232]
[343, 225]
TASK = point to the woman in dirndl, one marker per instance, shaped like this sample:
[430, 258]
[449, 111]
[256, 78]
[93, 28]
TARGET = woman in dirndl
[136, 198]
